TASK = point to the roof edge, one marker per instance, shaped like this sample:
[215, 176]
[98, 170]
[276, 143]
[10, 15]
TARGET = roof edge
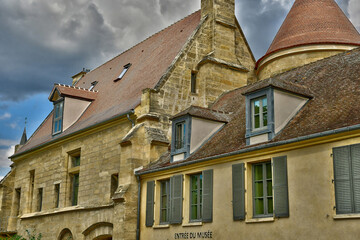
[255, 148]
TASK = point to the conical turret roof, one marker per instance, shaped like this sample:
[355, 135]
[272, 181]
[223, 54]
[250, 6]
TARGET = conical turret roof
[314, 22]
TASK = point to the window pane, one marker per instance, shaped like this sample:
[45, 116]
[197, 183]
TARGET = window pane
[259, 189]
[194, 212]
[269, 188]
[265, 120]
[56, 126]
[259, 206]
[257, 121]
[258, 172]
[257, 107]
[264, 104]
[194, 197]
[268, 171]
[270, 205]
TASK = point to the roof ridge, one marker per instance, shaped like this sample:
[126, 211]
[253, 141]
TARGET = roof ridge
[146, 39]
[78, 88]
[213, 110]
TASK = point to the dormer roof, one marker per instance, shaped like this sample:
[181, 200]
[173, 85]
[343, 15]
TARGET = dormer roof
[204, 113]
[314, 22]
[61, 90]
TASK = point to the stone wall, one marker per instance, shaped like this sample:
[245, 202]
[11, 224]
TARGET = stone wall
[6, 193]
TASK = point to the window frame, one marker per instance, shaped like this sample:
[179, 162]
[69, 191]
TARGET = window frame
[270, 128]
[199, 192]
[60, 118]
[265, 195]
[185, 149]
[167, 208]
[261, 113]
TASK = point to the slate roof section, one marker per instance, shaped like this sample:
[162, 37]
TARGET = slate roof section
[314, 22]
[150, 59]
[205, 113]
[335, 84]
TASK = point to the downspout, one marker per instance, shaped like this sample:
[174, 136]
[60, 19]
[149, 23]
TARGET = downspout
[128, 117]
[138, 211]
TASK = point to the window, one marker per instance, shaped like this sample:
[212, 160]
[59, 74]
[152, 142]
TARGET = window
[196, 197]
[31, 192]
[126, 68]
[180, 135]
[57, 195]
[259, 113]
[269, 189]
[165, 201]
[58, 117]
[40, 199]
[17, 201]
[262, 190]
[347, 179]
[93, 84]
[75, 189]
[193, 82]
[75, 160]
[114, 183]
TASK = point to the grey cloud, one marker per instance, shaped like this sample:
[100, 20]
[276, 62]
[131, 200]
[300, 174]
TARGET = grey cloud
[354, 12]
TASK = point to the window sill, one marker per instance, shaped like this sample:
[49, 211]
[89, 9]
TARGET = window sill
[346, 216]
[192, 224]
[260, 220]
[161, 226]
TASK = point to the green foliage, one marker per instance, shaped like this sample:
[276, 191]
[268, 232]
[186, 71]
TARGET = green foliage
[30, 236]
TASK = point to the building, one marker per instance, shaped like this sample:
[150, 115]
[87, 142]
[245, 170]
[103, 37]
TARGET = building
[175, 150]
[275, 159]
[74, 177]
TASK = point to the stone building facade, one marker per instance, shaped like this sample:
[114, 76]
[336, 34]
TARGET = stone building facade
[111, 132]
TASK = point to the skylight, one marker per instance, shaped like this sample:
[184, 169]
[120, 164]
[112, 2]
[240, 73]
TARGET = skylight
[93, 84]
[126, 67]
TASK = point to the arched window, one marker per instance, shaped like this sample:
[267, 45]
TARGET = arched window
[65, 234]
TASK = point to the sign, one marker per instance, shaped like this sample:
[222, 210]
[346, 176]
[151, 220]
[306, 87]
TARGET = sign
[193, 235]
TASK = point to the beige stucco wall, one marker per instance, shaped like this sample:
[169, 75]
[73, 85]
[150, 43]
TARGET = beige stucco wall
[286, 105]
[201, 130]
[311, 199]
[285, 60]
[73, 109]
[100, 158]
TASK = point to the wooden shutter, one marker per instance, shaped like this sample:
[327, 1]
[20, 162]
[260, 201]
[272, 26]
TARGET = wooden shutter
[355, 160]
[342, 177]
[238, 187]
[150, 204]
[176, 199]
[281, 198]
[207, 191]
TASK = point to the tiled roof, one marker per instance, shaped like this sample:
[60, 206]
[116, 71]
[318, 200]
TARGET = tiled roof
[205, 113]
[335, 85]
[149, 61]
[73, 91]
[314, 22]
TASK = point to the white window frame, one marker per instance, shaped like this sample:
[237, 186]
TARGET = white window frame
[261, 113]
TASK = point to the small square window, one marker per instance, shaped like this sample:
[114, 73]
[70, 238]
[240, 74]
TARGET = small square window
[259, 113]
[75, 161]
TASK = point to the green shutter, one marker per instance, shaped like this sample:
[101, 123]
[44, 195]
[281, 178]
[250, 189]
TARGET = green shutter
[281, 198]
[342, 175]
[355, 157]
[238, 185]
[176, 199]
[207, 188]
[150, 204]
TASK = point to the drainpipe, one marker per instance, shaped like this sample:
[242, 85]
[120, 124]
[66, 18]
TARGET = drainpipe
[138, 211]
[128, 117]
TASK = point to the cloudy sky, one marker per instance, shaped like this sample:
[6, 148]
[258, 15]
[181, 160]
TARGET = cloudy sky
[44, 42]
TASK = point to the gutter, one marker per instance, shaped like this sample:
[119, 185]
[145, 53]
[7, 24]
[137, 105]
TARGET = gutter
[74, 133]
[269, 145]
[128, 117]
[138, 209]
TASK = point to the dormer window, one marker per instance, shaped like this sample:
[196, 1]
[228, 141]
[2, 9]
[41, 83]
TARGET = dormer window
[180, 135]
[126, 68]
[58, 117]
[259, 113]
